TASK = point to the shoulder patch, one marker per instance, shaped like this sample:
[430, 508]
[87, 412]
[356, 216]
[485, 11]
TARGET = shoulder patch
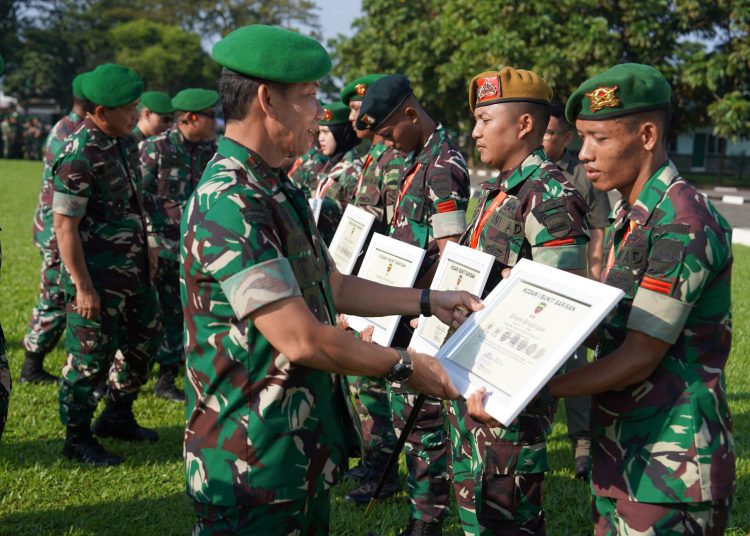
[666, 253]
[557, 224]
[257, 215]
[672, 228]
[546, 206]
[442, 185]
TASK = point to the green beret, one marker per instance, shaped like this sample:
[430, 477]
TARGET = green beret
[157, 101]
[382, 98]
[195, 99]
[78, 86]
[336, 113]
[357, 88]
[508, 85]
[112, 85]
[272, 53]
[624, 89]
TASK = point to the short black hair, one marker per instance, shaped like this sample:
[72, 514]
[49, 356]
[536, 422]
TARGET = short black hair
[238, 92]
[557, 110]
[662, 117]
[538, 111]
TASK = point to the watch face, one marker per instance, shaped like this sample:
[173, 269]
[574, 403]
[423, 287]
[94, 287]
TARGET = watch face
[402, 372]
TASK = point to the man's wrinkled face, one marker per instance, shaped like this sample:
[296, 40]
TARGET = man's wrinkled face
[496, 134]
[400, 132]
[612, 152]
[327, 141]
[556, 138]
[121, 120]
[297, 114]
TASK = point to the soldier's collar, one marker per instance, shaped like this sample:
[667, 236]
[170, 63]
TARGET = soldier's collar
[101, 140]
[436, 138]
[524, 171]
[377, 150]
[653, 192]
[268, 177]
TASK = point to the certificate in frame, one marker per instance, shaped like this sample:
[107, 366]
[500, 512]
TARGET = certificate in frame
[391, 262]
[531, 323]
[316, 205]
[460, 268]
[350, 238]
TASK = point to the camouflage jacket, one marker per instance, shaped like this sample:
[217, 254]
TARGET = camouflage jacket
[668, 438]
[171, 167]
[377, 187]
[434, 194]
[304, 172]
[597, 200]
[96, 178]
[336, 185]
[542, 217]
[259, 428]
[44, 234]
[137, 135]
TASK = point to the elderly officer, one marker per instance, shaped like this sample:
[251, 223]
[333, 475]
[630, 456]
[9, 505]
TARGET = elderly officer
[264, 439]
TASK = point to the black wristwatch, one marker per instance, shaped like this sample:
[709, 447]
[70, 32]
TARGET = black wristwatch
[403, 368]
[424, 303]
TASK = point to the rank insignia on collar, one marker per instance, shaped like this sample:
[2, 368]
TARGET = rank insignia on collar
[603, 97]
[368, 120]
[488, 88]
[327, 115]
[360, 90]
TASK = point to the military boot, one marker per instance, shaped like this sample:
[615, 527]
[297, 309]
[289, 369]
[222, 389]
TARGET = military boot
[165, 387]
[362, 494]
[32, 370]
[81, 445]
[117, 420]
[417, 527]
[359, 472]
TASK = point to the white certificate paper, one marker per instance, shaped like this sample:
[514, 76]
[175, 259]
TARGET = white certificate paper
[460, 268]
[350, 238]
[315, 206]
[532, 322]
[390, 262]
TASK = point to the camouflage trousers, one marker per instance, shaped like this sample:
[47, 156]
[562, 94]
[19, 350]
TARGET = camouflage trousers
[48, 317]
[491, 499]
[304, 517]
[5, 383]
[167, 283]
[371, 400]
[128, 323]
[621, 517]
[426, 452]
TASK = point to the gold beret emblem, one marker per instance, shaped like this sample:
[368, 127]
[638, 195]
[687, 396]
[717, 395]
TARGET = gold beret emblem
[603, 97]
[327, 115]
[360, 90]
[488, 88]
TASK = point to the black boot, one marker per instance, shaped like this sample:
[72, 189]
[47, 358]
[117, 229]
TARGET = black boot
[417, 527]
[32, 370]
[362, 494]
[165, 387]
[359, 472]
[81, 445]
[117, 421]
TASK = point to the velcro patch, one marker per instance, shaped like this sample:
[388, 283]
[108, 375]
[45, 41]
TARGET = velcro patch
[257, 215]
[672, 228]
[447, 206]
[558, 224]
[666, 253]
[442, 185]
[657, 285]
[542, 208]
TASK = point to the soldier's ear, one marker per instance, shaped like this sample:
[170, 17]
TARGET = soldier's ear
[649, 134]
[411, 114]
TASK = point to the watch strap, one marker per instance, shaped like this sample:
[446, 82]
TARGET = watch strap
[425, 309]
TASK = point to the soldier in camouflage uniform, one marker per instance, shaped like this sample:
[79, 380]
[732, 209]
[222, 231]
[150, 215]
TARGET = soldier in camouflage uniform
[430, 210]
[171, 166]
[528, 211]
[305, 170]
[337, 179]
[5, 382]
[48, 318]
[264, 439]
[156, 115]
[663, 458]
[101, 231]
[375, 192]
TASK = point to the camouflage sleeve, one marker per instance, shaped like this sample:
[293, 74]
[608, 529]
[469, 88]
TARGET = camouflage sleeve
[682, 261]
[449, 196]
[556, 229]
[237, 245]
[149, 163]
[73, 182]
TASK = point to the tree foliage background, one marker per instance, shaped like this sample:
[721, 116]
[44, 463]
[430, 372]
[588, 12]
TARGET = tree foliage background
[702, 47]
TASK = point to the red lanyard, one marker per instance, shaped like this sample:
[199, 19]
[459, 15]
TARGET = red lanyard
[294, 167]
[403, 191]
[499, 198]
[362, 176]
[323, 186]
[611, 256]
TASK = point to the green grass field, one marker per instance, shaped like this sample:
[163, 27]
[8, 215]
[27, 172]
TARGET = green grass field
[42, 494]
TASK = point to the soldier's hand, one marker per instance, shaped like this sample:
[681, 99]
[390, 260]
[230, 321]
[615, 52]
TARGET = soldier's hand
[429, 377]
[475, 407]
[453, 307]
[88, 303]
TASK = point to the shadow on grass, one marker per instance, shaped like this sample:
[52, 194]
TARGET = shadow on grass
[27, 453]
[172, 514]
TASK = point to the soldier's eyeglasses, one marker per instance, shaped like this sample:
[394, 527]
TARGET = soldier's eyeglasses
[210, 115]
[167, 118]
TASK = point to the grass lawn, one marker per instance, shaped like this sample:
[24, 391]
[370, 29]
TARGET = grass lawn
[42, 494]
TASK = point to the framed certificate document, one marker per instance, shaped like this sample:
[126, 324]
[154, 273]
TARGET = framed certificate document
[391, 262]
[531, 323]
[460, 268]
[315, 206]
[350, 238]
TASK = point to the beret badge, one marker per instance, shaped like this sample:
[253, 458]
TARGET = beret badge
[360, 89]
[603, 97]
[368, 120]
[327, 115]
[488, 88]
